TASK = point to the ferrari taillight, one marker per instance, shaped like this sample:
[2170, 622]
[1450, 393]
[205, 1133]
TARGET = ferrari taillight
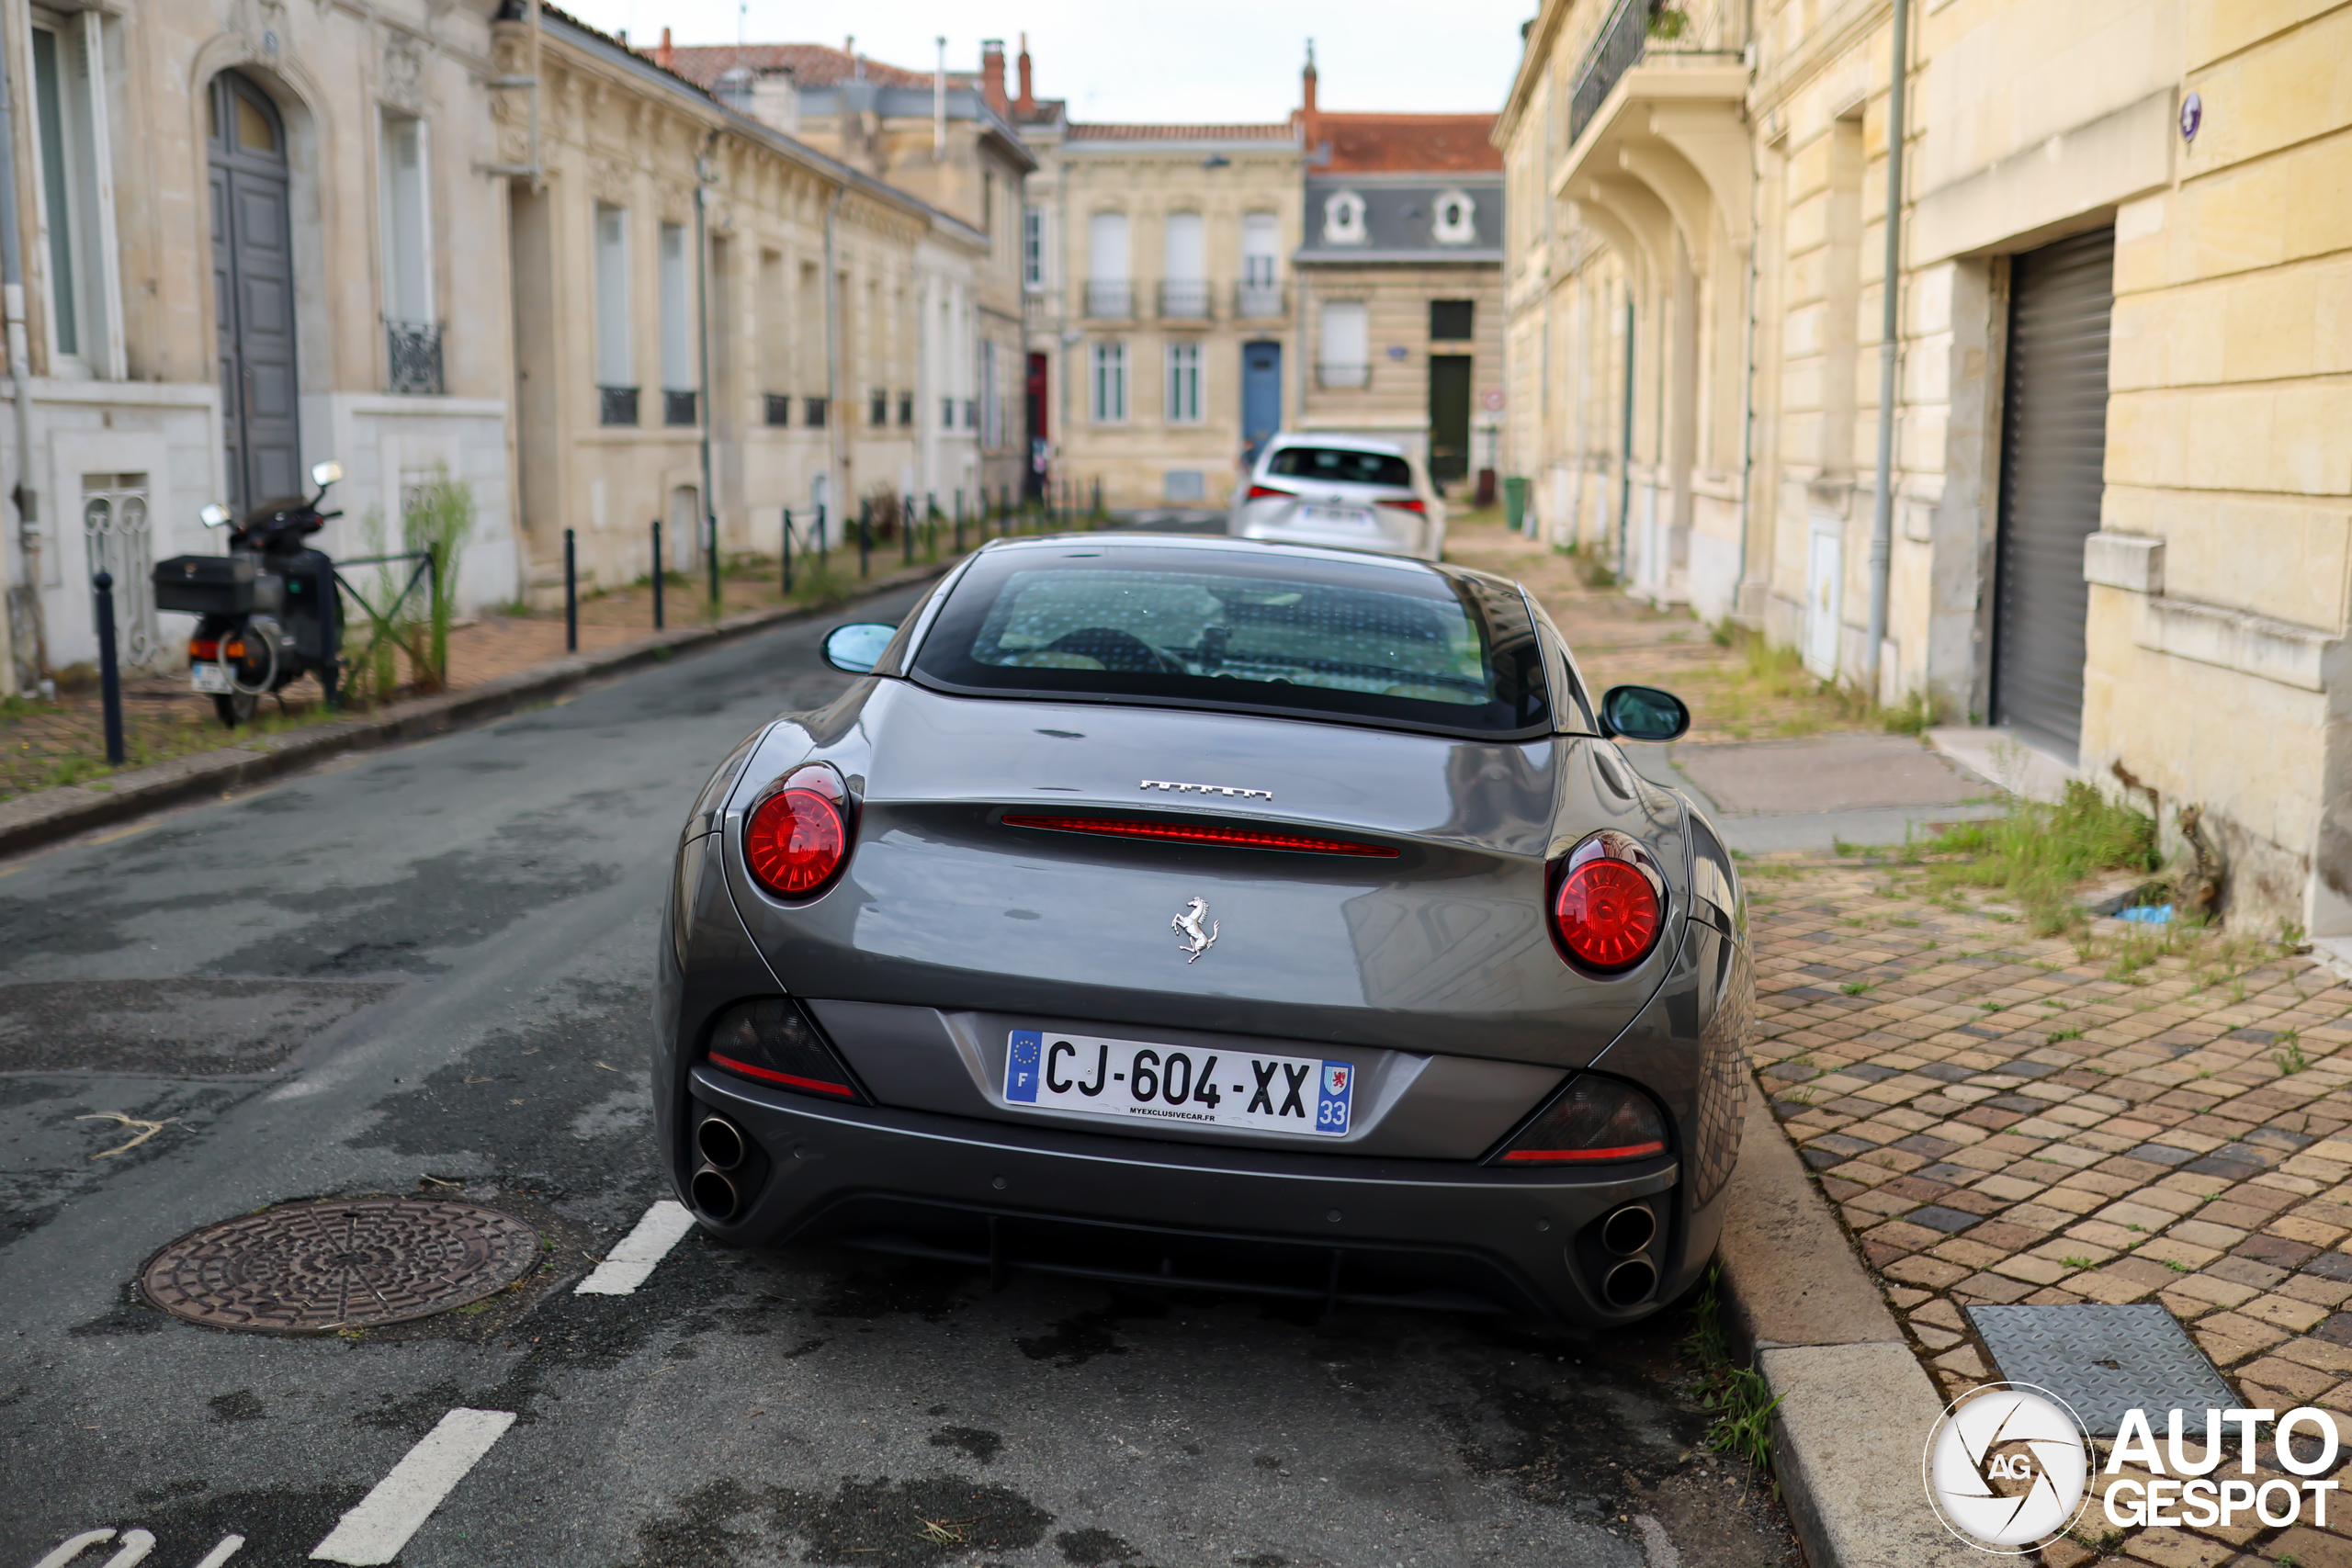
[797, 834]
[774, 1042]
[1610, 904]
[1591, 1122]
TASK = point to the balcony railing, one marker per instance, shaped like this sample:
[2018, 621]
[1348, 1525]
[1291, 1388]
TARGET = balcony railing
[812, 412]
[1259, 301]
[1110, 299]
[1342, 377]
[1616, 49]
[677, 407]
[415, 357]
[1184, 300]
[617, 405]
[779, 408]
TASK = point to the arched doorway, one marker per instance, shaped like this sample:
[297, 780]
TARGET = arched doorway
[252, 292]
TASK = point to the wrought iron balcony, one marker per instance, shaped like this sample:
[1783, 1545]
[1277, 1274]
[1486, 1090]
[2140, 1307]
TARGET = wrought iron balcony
[1342, 377]
[617, 405]
[1184, 300]
[1110, 299]
[1259, 301]
[677, 407]
[1616, 49]
[415, 357]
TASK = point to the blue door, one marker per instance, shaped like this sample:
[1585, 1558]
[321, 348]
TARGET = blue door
[1262, 394]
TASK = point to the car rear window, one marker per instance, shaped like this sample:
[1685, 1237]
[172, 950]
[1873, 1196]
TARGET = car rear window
[1411, 648]
[1339, 465]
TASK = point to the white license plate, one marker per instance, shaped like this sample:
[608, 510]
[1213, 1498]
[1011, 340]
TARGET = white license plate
[1338, 516]
[208, 677]
[1138, 1081]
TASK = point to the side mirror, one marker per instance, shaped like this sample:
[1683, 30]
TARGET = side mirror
[1644, 712]
[215, 515]
[326, 473]
[858, 646]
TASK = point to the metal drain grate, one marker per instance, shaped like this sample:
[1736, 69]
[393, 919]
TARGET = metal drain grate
[308, 1267]
[2104, 1361]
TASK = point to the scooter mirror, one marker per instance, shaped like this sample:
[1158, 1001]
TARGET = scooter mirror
[215, 515]
[326, 473]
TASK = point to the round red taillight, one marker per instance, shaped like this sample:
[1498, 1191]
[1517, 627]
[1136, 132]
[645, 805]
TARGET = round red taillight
[794, 842]
[1607, 912]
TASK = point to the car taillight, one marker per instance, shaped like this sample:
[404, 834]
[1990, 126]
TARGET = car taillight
[1592, 1121]
[797, 836]
[1610, 902]
[1270, 492]
[204, 650]
[774, 1042]
[1411, 504]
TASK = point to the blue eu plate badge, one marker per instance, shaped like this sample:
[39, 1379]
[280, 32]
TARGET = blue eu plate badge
[1020, 1071]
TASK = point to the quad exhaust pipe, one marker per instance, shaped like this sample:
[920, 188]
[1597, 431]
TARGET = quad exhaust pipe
[1623, 1233]
[719, 1187]
[713, 1194]
[1621, 1264]
[1629, 1282]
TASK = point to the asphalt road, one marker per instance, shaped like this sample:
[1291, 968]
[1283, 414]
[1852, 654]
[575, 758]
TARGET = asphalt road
[424, 972]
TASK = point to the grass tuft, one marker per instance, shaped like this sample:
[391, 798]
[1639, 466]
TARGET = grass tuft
[2039, 852]
[1742, 1401]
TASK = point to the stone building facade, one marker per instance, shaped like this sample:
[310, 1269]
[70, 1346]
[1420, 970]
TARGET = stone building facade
[2118, 524]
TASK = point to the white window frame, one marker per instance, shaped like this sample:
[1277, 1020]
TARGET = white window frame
[1463, 209]
[1343, 219]
[1344, 319]
[1033, 248]
[615, 356]
[86, 179]
[676, 281]
[1183, 389]
[1106, 382]
[1262, 250]
[406, 210]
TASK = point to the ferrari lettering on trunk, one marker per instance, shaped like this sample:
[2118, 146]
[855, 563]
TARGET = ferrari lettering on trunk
[1136, 1079]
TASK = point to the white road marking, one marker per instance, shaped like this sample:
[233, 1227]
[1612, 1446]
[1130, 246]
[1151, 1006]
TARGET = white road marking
[375, 1532]
[1658, 1547]
[625, 1267]
[68, 1550]
[136, 1545]
[229, 1547]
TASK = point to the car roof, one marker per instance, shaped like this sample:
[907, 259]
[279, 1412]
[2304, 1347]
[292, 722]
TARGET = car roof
[1227, 545]
[1335, 440]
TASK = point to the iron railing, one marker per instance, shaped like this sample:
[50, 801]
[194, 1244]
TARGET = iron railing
[1616, 49]
[1184, 300]
[812, 412]
[779, 408]
[1259, 301]
[677, 407]
[1110, 299]
[1342, 377]
[617, 405]
[414, 357]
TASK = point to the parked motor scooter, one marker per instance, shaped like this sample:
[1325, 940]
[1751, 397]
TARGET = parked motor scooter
[267, 608]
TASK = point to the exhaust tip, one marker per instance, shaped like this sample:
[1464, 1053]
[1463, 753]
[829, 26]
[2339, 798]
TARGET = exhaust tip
[1629, 1283]
[1623, 1233]
[720, 1140]
[714, 1195]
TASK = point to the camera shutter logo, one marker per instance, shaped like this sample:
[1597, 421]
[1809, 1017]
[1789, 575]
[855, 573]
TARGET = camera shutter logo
[2007, 1467]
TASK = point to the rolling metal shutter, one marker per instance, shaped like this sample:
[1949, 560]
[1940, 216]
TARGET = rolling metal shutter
[2053, 456]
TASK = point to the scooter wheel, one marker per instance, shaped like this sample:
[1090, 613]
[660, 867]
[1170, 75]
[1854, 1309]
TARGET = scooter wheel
[236, 707]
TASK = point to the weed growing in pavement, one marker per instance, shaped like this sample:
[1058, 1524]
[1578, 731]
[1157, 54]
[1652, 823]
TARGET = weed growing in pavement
[2037, 852]
[1856, 987]
[2289, 1055]
[2062, 1034]
[2072, 1262]
[1742, 1401]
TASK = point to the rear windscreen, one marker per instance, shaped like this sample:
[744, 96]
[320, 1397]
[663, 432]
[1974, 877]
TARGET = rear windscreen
[1411, 647]
[1340, 467]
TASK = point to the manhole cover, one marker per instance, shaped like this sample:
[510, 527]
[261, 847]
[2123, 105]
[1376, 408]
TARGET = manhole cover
[2103, 1359]
[308, 1268]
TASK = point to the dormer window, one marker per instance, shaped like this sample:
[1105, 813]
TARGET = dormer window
[1343, 219]
[1457, 219]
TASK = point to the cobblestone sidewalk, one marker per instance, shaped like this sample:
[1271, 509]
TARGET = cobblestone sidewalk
[2000, 1118]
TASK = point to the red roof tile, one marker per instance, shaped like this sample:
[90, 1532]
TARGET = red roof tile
[812, 65]
[1082, 132]
[1403, 144]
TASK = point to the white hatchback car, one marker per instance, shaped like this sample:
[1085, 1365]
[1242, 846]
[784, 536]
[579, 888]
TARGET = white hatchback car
[1343, 490]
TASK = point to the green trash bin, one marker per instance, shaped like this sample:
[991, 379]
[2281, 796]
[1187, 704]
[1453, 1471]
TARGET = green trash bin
[1515, 503]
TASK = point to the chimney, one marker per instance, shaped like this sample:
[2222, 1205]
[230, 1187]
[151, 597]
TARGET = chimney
[1027, 106]
[992, 75]
[1306, 89]
[664, 55]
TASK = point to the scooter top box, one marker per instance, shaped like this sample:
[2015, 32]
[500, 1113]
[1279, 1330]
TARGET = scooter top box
[214, 585]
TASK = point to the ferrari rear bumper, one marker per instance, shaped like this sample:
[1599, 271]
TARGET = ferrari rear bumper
[1431, 1233]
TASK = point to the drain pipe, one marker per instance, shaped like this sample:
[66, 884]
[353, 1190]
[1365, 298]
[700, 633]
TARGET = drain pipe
[834, 413]
[1625, 448]
[1890, 323]
[26, 595]
[701, 354]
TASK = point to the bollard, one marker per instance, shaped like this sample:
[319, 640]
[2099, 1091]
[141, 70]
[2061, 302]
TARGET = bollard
[907, 528]
[711, 532]
[959, 522]
[657, 574]
[864, 536]
[109, 677]
[824, 550]
[788, 552]
[570, 594]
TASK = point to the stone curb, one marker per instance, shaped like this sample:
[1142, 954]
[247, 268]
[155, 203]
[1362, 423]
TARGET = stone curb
[30, 821]
[1855, 1405]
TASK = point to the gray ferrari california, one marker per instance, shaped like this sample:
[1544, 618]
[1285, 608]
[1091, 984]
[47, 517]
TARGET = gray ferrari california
[1214, 913]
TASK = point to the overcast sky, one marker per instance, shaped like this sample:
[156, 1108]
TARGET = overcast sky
[1197, 60]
